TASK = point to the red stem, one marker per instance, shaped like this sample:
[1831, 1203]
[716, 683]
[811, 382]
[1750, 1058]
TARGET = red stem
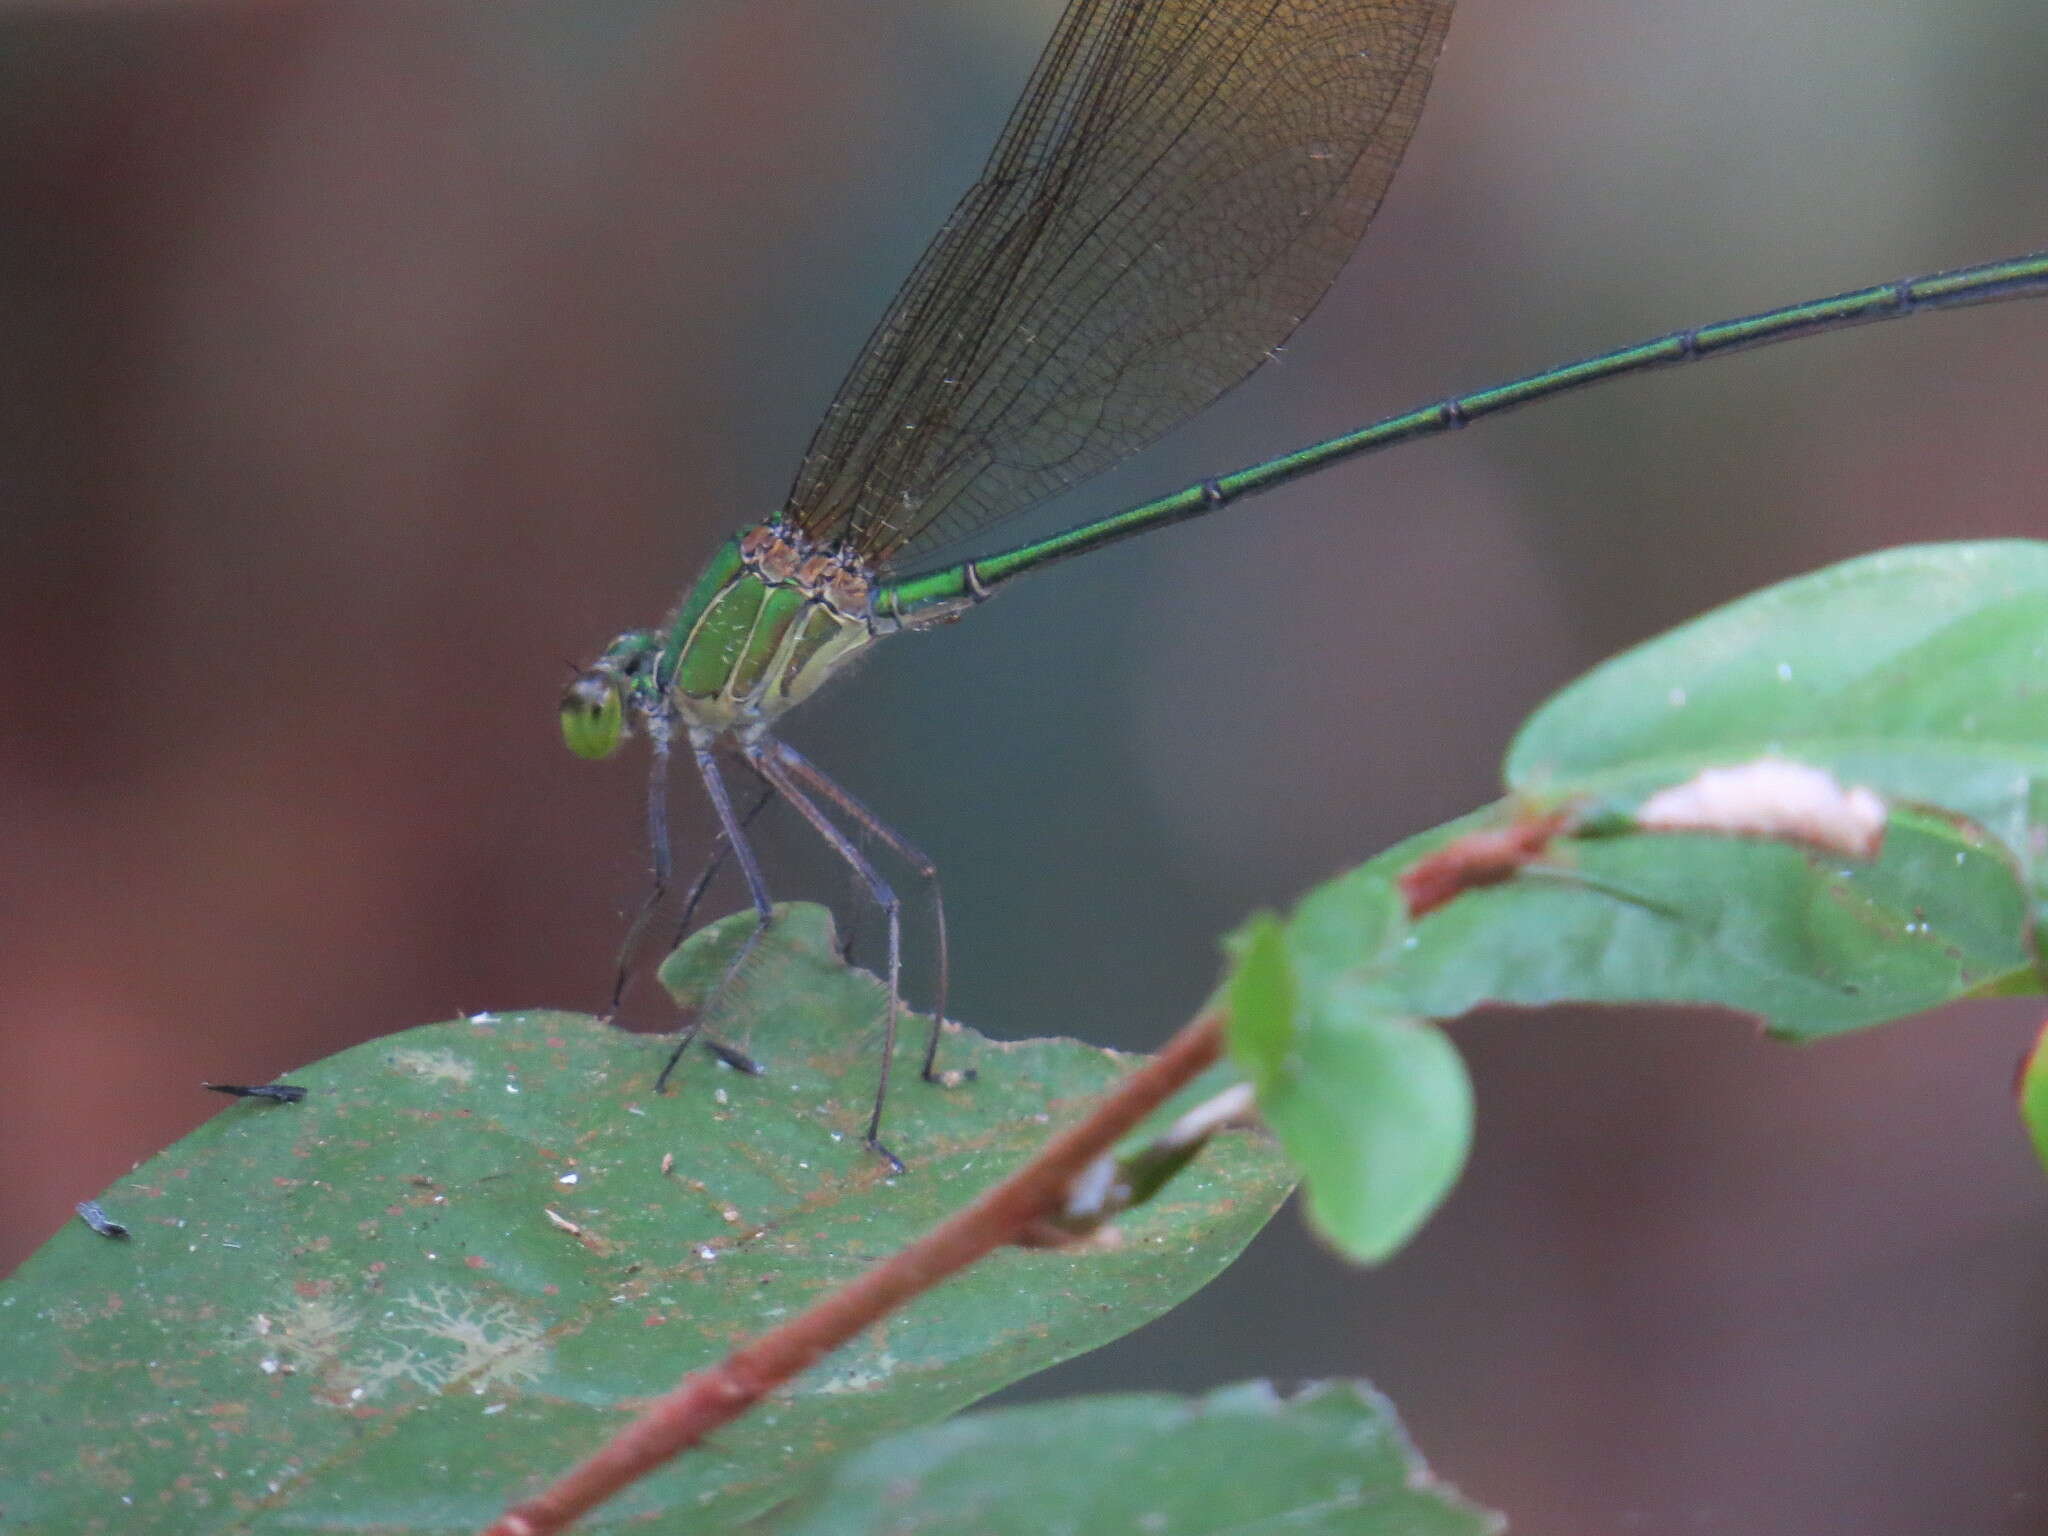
[709, 1398]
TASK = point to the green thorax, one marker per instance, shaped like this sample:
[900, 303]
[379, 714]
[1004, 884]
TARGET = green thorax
[766, 624]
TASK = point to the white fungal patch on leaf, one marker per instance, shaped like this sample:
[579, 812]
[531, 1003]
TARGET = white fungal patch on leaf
[433, 1341]
[862, 1378]
[305, 1333]
[375, 1374]
[434, 1066]
[483, 1346]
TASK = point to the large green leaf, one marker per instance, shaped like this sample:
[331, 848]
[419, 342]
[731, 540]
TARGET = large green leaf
[1922, 672]
[1812, 945]
[1331, 1461]
[457, 1266]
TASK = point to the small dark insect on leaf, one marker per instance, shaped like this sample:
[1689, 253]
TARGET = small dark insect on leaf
[281, 1093]
[90, 1213]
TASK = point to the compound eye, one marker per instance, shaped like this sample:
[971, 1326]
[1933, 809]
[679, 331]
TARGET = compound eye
[593, 715]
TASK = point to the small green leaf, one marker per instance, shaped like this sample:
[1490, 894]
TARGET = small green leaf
[1330, 1461]
[1374, 1107]
[2033, 1095]
[458, 1266]
[1376, 1111]
[1260, 995]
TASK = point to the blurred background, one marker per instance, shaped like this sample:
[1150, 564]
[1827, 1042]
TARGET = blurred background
[363, 366]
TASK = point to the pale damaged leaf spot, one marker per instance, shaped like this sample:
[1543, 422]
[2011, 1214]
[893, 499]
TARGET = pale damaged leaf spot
[484, 1346]
[308, 1333]
[1774, 798]
[435, 1341]
[876, 1373]
[435, 1066]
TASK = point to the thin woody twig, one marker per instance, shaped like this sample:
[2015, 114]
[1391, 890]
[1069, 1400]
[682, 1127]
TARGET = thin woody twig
[709, 1398]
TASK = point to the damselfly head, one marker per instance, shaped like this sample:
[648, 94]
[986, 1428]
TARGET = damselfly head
[593, 714]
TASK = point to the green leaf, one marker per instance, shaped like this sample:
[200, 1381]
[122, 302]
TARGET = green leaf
[1813, 945]
[1263, 1000]
[1374, 1107]
[459, 1264]
[1377, 1114]
[1922, 672]
[2033, 1096]
[1330, 1461]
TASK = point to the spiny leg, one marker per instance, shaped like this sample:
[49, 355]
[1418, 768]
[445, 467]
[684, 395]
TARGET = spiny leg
[757, 888]
[714, 865]
[664, 872]
[814, 776]
[766, 756]
[658, 850]
[731, 1055]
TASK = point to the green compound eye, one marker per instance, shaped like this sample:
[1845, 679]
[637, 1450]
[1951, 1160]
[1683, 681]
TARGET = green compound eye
[593, 715]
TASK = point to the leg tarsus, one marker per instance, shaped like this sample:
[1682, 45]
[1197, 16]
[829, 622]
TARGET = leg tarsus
[734, 1057]
[731, 1055]
[895, 1163]
[675, 1056]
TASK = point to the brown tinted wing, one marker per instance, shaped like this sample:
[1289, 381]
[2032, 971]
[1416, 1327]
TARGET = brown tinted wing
[1174, 192]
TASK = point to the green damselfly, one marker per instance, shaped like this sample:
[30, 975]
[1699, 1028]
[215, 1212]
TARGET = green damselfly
[1175, 190]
